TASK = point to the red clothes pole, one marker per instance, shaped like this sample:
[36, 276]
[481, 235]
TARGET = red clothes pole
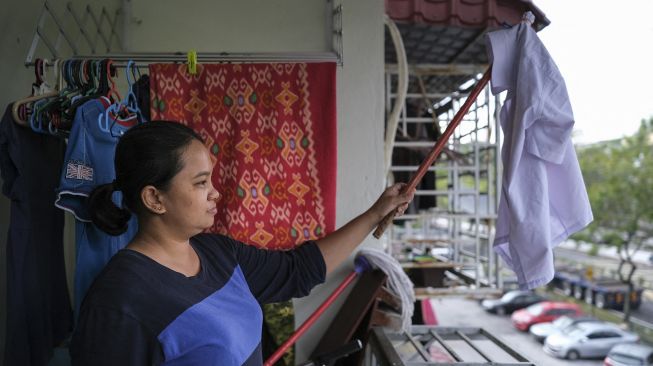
[311, 319]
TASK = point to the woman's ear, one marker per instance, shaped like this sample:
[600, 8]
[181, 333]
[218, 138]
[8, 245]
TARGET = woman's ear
[151, 198]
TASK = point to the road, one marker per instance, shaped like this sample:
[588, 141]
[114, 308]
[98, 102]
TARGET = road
[564, 256]
[463, 312]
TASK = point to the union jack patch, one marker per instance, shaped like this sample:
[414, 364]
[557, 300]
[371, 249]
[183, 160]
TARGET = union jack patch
[76, 170]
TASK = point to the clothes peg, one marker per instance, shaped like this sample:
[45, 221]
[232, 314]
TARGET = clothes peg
[192, 62]
[528, 18]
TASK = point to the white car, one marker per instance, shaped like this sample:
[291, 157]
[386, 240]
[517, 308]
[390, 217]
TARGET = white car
[587, 340]
[542, 330]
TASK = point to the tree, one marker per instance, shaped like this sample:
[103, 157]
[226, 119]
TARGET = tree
[619, 179]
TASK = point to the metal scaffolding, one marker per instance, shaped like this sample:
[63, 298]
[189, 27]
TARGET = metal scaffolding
[453, 215]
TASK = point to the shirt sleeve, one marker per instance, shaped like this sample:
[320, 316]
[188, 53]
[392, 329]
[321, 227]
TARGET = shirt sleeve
[276, 275]
[105, 336]
[78, 176]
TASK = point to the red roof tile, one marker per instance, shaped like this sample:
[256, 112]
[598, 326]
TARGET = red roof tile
[464, 13]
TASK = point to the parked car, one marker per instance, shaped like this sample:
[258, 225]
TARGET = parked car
[587, 340]
[629, 354]
[545, 311]
[511, 301]
[542, 330]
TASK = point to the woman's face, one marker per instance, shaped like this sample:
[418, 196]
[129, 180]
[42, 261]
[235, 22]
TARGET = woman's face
[190, 202]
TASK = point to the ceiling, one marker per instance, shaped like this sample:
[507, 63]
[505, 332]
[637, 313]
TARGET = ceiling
[451, 32]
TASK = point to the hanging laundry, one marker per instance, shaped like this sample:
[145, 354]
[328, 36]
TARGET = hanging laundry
[543, 196]
[88, 163]
[39, 315]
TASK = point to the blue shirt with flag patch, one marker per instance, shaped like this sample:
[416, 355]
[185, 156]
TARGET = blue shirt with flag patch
[139, 312]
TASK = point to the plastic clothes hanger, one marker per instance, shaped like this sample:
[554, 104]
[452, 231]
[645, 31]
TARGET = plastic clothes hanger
[36, 121]
[21, 104]
[113, 92]
[85, 84]
[130, 100]
[126, 108]
[52, 110]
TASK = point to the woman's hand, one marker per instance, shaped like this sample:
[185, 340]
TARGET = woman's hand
[390, 199]
[337, 246]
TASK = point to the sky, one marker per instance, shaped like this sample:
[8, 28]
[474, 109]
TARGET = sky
[604, 50]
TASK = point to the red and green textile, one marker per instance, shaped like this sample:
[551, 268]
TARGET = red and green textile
[271, 130]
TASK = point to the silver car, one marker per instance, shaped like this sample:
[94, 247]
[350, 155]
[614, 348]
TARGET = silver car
[629, 354]
[542, 330]
[587, 340]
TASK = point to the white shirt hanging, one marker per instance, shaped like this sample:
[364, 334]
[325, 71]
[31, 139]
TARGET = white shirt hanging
[543, 198]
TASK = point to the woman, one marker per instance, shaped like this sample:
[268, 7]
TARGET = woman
[175, 295]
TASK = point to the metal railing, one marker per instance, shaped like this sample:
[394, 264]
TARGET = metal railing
[434, 345]
[466, 183]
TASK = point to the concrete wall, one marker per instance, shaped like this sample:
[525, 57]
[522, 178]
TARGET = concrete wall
[226, 26]
[251, 26]
[360, 96]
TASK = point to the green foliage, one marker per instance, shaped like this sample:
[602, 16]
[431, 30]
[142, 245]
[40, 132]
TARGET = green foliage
[584, 235]
[612, 238]
[619, 179]
[594, 250]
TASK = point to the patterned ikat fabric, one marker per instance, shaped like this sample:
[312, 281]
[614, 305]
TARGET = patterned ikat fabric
[271, 130]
